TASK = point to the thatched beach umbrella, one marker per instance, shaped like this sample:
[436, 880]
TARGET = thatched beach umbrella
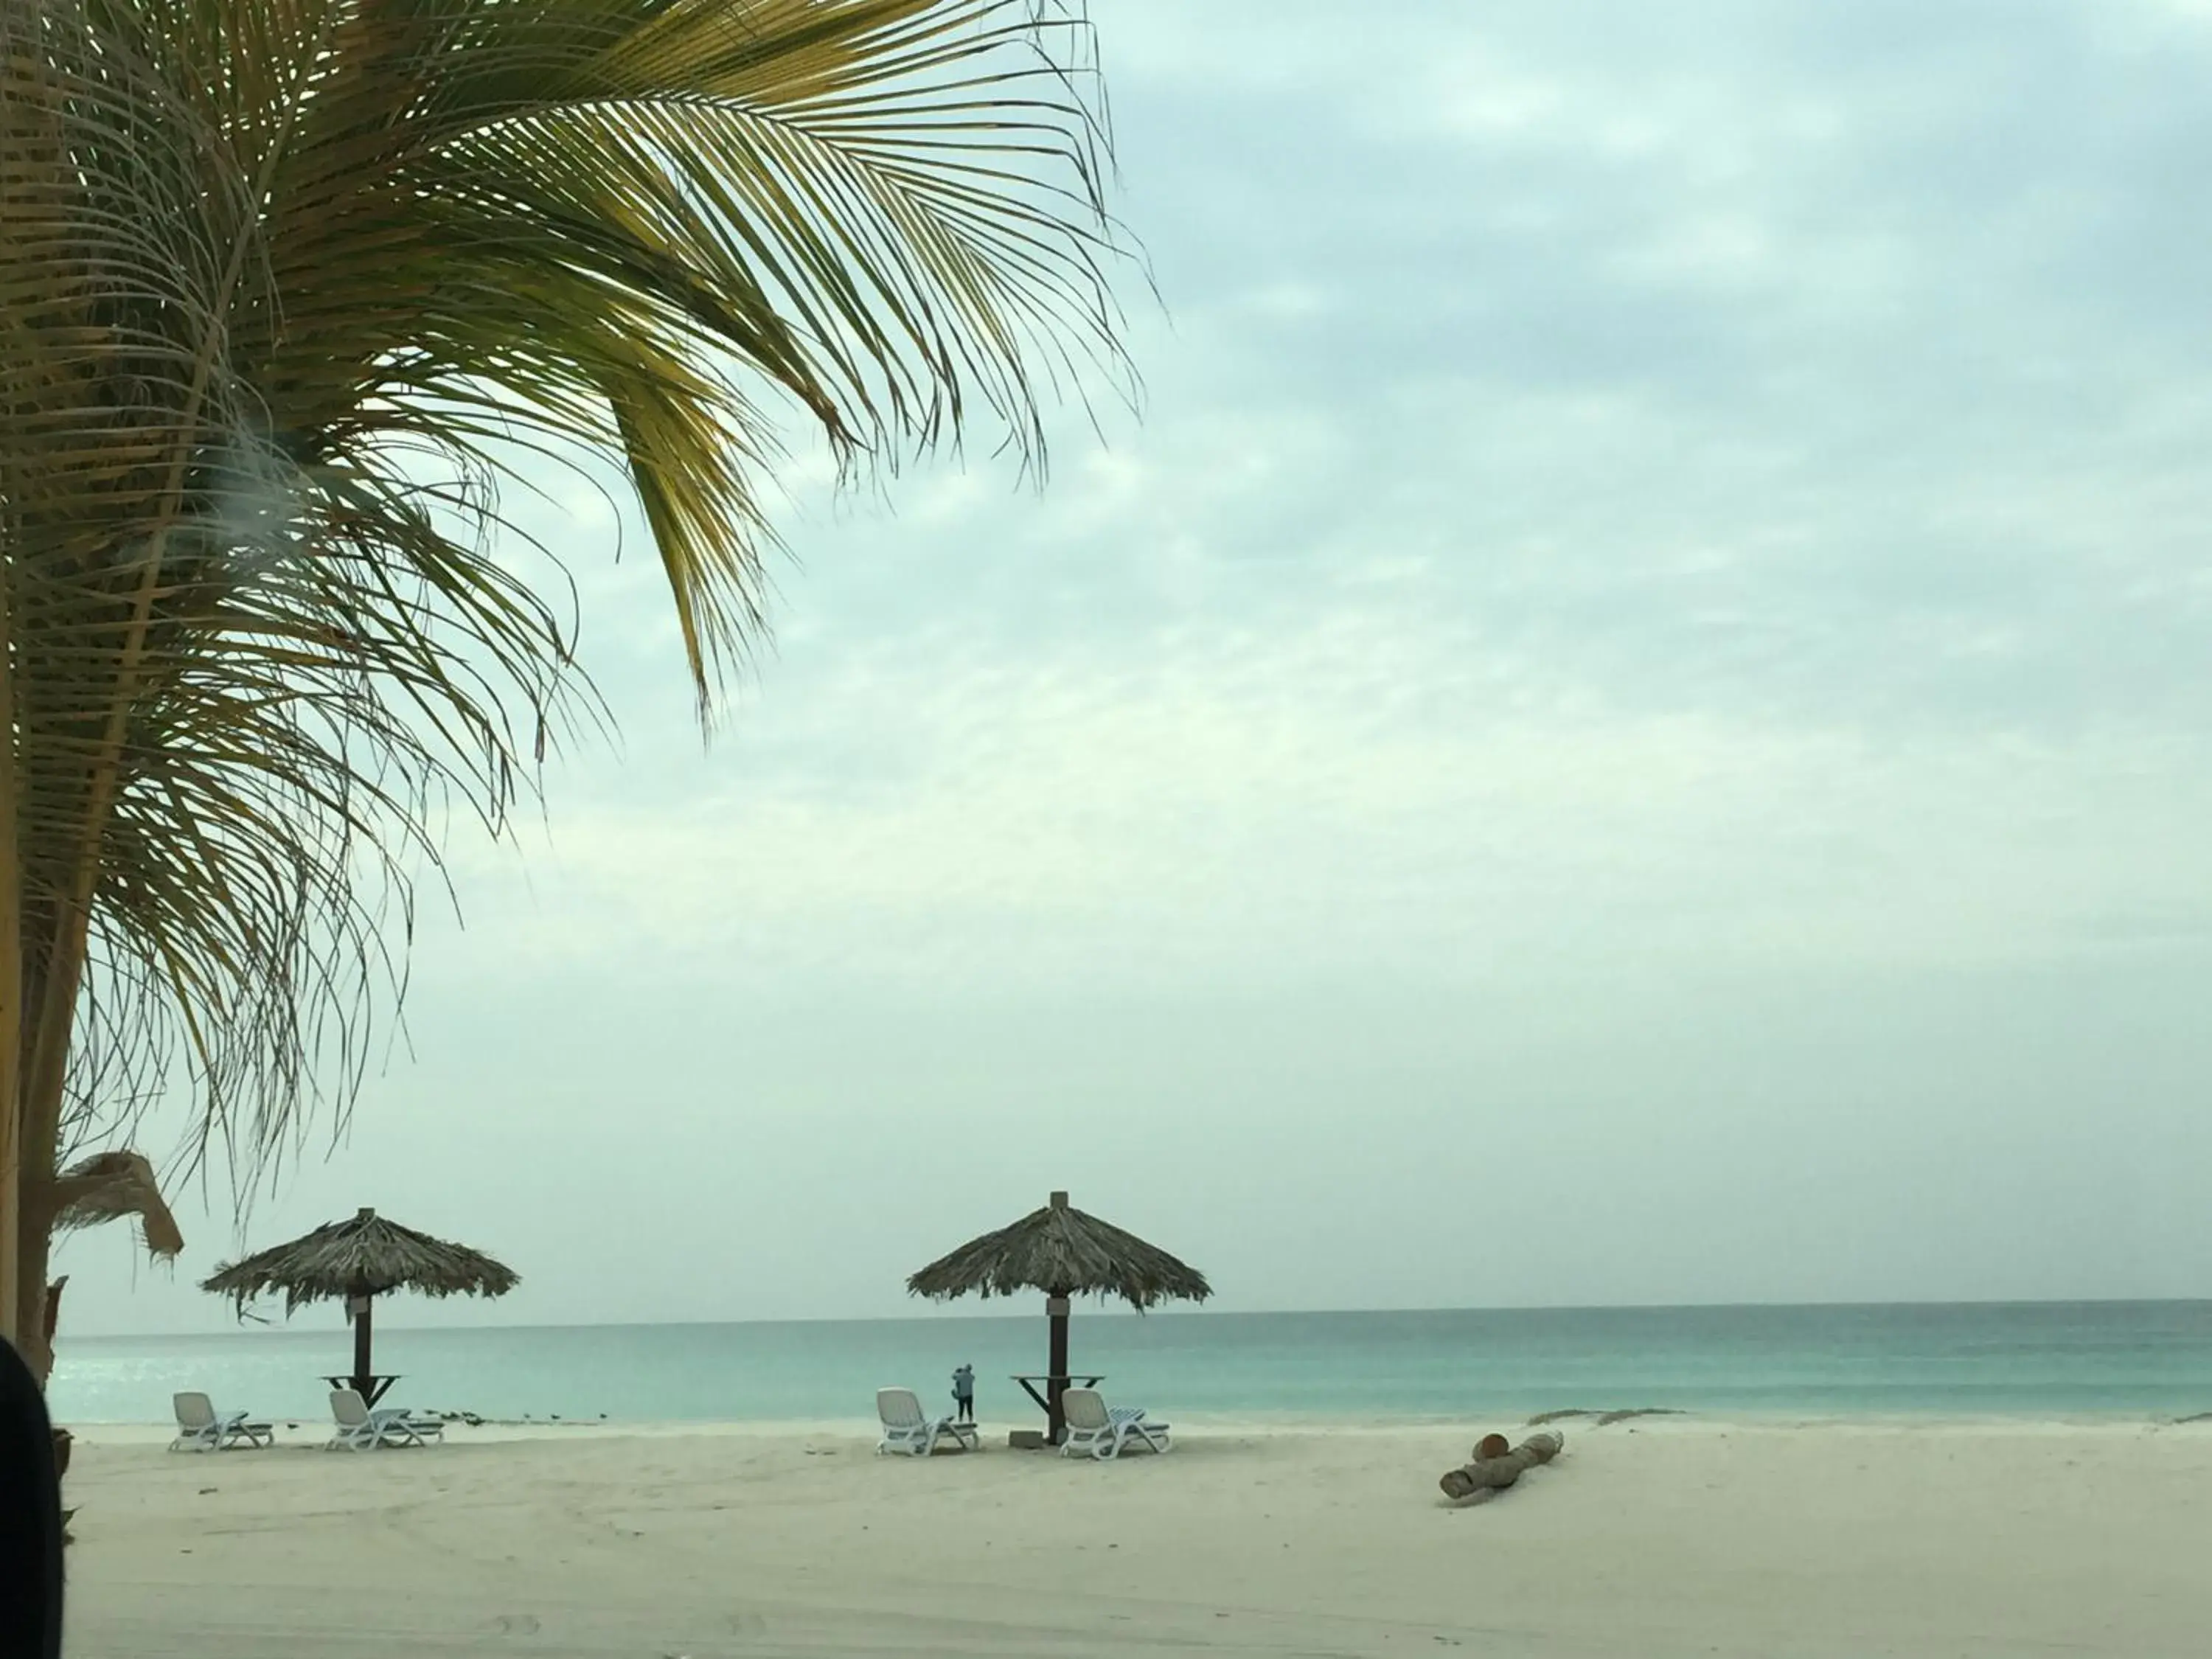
[356, 1262]
[1063, 1253]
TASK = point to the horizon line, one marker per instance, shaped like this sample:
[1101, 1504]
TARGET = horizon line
[270, 1328]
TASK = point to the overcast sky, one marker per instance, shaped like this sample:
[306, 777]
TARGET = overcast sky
[1633, 723]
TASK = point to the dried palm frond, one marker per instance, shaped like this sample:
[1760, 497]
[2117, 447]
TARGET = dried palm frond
[109, 1186]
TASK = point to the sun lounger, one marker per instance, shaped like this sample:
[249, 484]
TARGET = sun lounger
[1095, 1430]
[909, 1430]
[200, 1427]
[361, 1429]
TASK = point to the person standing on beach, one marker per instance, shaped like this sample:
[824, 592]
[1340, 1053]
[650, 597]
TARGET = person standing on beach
[964, 1392]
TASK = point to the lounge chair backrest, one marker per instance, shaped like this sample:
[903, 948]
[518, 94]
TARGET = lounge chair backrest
[899, 1408]
[1084, 1409]
[348, 1409]
[194, 1411]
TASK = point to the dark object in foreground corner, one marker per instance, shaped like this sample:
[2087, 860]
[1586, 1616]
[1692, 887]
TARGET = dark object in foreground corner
[64, 1440]
[30, 1517]
[1494, 1473]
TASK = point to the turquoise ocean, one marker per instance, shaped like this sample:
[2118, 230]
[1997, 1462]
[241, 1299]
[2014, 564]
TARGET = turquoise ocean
[2143, 1359]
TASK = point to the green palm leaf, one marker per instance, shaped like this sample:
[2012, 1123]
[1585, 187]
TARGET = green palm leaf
[286, 288]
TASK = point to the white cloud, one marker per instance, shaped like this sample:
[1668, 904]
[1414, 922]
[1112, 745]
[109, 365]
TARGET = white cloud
[1237, 809]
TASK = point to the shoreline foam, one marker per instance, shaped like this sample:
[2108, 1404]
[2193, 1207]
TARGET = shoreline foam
[1266, 1425]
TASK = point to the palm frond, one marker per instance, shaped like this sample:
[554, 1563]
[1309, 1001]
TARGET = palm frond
[285, 287]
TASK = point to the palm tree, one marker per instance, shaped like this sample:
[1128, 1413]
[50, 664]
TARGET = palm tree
[288, 287]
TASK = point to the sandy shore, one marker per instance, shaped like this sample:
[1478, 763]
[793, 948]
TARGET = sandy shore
[1645, 1540]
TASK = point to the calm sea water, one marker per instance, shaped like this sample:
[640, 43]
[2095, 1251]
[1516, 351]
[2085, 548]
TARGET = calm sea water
[2151, 1359]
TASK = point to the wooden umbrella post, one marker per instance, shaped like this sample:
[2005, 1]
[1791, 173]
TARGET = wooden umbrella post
[1055, 1310]
[359, 1303]
[1055, 1415]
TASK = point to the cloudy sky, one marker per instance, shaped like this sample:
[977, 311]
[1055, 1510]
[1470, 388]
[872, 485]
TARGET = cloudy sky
[1633, 723]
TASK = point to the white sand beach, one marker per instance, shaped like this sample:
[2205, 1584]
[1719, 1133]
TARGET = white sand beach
[1652, 1539]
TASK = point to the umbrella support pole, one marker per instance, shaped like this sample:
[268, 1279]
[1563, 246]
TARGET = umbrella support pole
[364, 1368]
[1055, 1416]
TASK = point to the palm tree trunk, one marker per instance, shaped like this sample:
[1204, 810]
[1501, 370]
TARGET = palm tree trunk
[34, 1239]
[43, 1074]
[11, 989]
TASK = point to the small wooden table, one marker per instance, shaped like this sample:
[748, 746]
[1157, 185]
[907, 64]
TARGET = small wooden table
[1029, 1380]
[378, 1387]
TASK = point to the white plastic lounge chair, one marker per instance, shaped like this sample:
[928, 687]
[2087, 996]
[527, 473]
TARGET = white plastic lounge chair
[361, 1429]
[909, 1429]
[1093, 1431]
[200, 1427]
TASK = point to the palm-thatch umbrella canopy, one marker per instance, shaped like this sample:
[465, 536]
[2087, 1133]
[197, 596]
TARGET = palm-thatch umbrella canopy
[355, 1262]
[1064, 1253]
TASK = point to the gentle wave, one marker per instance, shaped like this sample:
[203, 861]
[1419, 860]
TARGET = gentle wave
[2040, 1359]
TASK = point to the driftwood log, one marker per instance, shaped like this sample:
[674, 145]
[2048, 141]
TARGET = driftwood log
[1495, 1474]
